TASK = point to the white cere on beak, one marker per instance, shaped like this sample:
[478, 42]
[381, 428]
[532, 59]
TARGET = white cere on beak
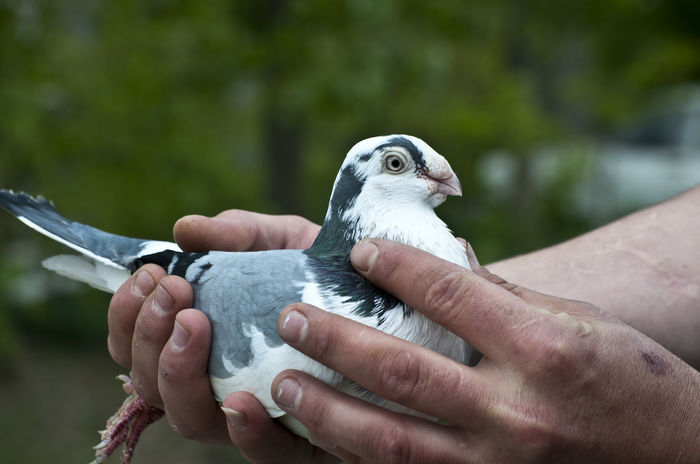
[441, 178]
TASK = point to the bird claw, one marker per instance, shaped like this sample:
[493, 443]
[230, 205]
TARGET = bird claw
[126, 425]
[103, 443]
[127, 383]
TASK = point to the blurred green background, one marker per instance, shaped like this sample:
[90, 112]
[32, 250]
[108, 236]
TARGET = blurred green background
[131, 114]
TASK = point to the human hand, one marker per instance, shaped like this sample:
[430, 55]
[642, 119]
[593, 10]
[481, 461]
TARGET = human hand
[560, 380]
[262, 440]
[154, 332]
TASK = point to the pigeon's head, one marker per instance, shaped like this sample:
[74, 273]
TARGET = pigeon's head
[388, 188]
[385, 181]
[394, 170]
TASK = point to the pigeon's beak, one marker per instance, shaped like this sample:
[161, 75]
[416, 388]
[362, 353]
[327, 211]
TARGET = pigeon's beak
[443, 178]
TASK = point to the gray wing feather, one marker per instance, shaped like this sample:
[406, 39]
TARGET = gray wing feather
[242, 293]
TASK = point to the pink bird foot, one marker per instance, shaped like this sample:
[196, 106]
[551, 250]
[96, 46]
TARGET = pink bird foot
[126, 425]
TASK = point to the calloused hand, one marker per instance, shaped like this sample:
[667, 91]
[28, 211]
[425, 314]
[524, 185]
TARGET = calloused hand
[560, 381]
[154, 332]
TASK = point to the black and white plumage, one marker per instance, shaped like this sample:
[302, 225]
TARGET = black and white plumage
[387, 187]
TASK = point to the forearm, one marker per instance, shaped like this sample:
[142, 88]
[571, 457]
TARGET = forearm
[644, 269]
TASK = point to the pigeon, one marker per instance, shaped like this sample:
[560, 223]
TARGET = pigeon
[387, 187]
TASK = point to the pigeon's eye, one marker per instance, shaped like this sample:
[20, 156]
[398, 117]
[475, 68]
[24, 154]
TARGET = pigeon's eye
[394, 163]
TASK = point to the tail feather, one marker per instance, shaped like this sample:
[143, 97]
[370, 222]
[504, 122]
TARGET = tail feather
[107, 259]
[96, 274]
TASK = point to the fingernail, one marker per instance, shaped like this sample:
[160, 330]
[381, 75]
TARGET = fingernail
[363, 255]
[163, 303]
[288, 394]
[321, 443]
[235, 419]
[294, 327]
[180, 337]
[143, 284]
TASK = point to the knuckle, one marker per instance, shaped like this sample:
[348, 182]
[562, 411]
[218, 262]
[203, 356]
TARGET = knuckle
[146, 330]
[539, 438]
[566, 353]
[447, 294]
[522, 346]
[315, 414]
[554, 343]
[534, 439]
[323, 343]
[151, 326]
[554, 355]
[393, 445]
[297, 220]
[178, 288]
[399, 376]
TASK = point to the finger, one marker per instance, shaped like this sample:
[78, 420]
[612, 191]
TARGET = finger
[479, 311]
[392, 368]
[553, 304]
[152, 329]
[237, 230]
[471, 257]
[474, 356]
[276, 231]
[261, 439]
[373, 433]
[183, 381]
[124, 309]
